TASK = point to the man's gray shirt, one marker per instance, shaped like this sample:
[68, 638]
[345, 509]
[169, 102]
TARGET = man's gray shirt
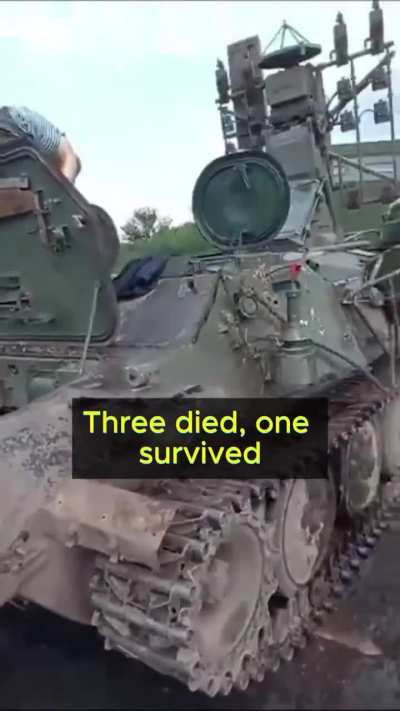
[44, 135]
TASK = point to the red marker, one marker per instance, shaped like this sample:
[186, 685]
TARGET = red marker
[294, 269]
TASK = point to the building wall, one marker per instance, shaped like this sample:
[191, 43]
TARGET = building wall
[376, 155]
[382, 163]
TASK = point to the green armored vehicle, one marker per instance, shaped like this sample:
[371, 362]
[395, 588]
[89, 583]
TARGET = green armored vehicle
[213, 582]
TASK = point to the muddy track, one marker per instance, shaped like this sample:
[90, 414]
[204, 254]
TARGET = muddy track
[157, 616]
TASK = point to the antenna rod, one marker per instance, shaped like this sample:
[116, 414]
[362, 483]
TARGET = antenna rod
[389, 56]
[358, 138]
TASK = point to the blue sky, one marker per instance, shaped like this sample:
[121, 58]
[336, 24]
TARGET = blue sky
[132, 83]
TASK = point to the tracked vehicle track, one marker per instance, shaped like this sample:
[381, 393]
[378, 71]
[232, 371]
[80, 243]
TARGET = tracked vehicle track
[207, 617]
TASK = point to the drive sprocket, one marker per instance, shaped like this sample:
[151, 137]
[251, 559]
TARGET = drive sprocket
[204, 616]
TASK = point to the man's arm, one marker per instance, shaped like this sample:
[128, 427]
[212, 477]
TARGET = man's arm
[48, 139]
[69, 162]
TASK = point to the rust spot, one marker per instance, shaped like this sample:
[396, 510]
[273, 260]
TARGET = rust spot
[16, 202]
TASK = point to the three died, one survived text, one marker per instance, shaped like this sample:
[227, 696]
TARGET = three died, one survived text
[194, 423]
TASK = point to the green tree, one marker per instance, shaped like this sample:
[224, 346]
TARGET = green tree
[145, 224]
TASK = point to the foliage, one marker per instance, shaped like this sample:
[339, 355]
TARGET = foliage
[176, 241]
[145, 224]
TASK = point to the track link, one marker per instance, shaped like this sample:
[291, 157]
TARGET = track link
[151, 616]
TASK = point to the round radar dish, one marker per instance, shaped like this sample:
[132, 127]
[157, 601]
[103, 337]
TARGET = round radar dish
[241, 200]
[290, 56]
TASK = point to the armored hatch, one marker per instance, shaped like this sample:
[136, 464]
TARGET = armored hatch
[241, 200]
[56, 250]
